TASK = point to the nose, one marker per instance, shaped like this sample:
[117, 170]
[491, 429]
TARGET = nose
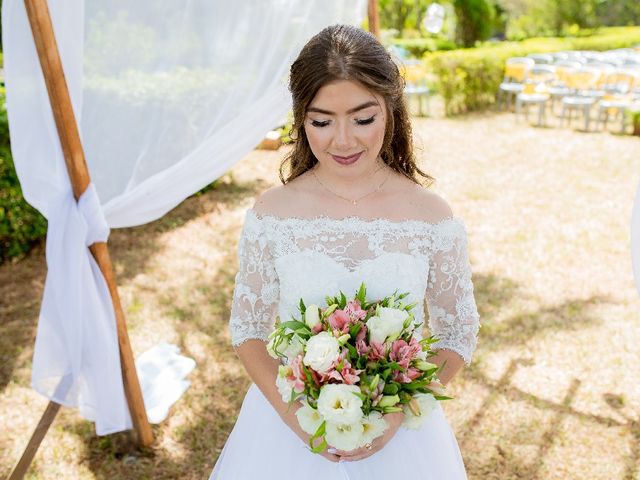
[343, 139]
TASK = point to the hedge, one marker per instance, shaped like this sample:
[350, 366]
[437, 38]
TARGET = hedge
[419, 46]
[468, 79]
[20, 224]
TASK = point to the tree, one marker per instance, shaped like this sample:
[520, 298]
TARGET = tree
[475, 21]
[401, 14]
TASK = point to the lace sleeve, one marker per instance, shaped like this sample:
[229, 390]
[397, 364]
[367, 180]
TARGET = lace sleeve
[256, 293]
[453, 316]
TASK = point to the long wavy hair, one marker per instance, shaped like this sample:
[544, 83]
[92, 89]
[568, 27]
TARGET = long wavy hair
[344, 52]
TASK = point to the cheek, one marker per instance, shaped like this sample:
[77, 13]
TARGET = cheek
[317, 138]
[375, 134]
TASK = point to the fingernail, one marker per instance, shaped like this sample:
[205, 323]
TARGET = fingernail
[331, 450]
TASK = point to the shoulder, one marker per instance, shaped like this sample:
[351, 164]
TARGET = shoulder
[423, 204]
[282, 200]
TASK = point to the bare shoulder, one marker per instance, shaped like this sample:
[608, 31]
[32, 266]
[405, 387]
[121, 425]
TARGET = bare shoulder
[278, 200]
[428, 206]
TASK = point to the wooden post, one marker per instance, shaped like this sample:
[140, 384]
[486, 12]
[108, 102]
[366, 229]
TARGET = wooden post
[374, 18]
[47, 48]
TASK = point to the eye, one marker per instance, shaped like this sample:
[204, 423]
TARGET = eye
[366, 121]
[317, 123]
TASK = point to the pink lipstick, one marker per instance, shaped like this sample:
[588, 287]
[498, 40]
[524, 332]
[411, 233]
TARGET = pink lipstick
[347, 160]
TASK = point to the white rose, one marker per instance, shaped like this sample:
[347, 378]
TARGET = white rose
[322, 350]
[295, 347]
[388, 322]
[312, 315]
[373, 425]
[337, 403]
[308, 418]
[426, 403]
[344, 436]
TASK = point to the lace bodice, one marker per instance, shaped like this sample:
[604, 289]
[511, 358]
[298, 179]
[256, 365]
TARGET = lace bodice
[284, 259]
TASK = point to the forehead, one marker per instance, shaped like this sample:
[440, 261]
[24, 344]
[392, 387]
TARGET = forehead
[342, 95]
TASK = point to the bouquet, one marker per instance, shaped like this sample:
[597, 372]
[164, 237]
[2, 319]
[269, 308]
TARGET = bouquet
[349, 363]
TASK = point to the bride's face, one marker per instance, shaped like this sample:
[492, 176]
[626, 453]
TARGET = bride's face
[345, 126]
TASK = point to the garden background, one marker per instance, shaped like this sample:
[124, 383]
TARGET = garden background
[553, 391]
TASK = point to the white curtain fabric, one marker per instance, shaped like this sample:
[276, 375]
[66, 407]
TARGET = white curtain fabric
[168, 97]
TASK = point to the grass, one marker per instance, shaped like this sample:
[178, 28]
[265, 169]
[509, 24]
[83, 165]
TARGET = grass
[554, 389]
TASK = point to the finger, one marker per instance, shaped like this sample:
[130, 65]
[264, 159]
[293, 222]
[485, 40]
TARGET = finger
[331, 457]
[349, 453]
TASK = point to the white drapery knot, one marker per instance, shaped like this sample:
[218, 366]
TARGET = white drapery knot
[91, 211]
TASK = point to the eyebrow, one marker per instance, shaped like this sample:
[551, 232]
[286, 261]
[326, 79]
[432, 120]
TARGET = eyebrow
[352, 110]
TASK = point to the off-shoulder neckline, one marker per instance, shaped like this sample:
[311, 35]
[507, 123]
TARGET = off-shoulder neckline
[354, 219]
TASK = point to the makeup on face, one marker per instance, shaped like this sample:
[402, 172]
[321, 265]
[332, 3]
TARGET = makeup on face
[345, 126]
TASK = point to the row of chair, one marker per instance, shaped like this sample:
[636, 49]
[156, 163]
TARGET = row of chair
[579, 81]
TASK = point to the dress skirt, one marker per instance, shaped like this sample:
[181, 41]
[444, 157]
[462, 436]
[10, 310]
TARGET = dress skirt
[262, 446]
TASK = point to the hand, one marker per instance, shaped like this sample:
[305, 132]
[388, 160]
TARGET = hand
[394, 420]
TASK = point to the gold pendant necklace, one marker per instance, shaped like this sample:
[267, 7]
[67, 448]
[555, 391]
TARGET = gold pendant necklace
[355, 201]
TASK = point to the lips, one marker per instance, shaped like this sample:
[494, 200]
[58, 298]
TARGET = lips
[347, 160]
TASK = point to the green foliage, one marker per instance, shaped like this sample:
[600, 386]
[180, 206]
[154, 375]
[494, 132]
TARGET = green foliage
[419, 46]
[475, 21]
[402, 14]
[468, 79]
[20, 224]
[529, 18]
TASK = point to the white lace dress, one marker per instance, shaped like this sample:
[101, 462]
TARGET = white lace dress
[284, 259]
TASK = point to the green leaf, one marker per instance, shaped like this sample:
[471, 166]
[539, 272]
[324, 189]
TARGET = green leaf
[355, 329]
[296, 325]
[343, 300]
[302, 306]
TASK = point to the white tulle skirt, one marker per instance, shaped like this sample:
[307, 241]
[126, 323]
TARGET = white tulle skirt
[262, 446]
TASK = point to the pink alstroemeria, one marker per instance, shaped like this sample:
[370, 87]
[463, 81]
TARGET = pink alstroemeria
[406, 377]
[297, 377]
[347, 374]
[361, 341]
[340, 321]
[354, 310]
[377, 351]
[403, 352]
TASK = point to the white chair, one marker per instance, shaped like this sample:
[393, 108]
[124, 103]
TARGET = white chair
[583, 82]
[515, 73]
[536, 92]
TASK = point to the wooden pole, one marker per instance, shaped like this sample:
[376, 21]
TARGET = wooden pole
[374, 18]
[47, 48]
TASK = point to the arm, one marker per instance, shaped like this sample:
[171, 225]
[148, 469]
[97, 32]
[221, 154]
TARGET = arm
[453, 316]
[253, 313]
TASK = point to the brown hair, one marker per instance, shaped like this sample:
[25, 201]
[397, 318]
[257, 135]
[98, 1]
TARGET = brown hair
[344, 52]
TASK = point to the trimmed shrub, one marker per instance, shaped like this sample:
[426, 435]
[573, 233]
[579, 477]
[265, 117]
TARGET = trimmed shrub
[419, 46]
[20, 224]
[468, 79]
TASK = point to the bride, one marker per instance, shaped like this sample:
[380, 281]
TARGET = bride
[351, 209]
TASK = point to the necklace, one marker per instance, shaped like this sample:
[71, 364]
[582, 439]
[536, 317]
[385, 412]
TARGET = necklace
[354, 201]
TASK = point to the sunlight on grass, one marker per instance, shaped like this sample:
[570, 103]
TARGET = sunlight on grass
[553, 391]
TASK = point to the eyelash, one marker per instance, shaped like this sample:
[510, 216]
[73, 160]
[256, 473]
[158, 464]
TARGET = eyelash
[365, 121]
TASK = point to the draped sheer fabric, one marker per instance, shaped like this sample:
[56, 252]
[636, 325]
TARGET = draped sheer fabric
[284, 259]
[168, 96]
